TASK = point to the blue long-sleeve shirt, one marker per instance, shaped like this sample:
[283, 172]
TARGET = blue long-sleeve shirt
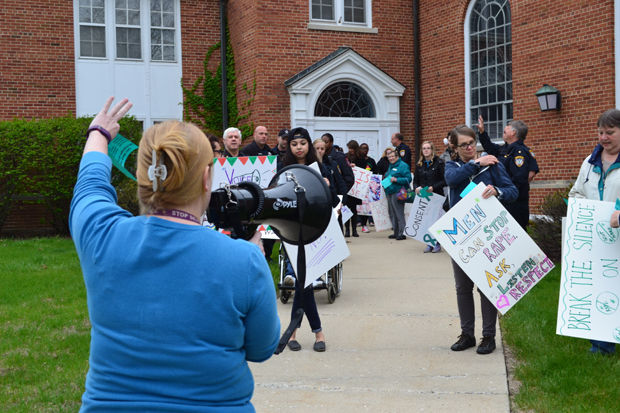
[176, 310]
[459, 174]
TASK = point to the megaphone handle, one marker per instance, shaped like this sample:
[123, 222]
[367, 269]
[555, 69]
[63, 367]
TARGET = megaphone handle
[301, 278]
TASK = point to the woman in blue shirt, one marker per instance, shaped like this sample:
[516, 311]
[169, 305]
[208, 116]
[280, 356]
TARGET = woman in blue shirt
[177, 310]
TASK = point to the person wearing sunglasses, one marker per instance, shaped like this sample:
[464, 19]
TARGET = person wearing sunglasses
[469, 167]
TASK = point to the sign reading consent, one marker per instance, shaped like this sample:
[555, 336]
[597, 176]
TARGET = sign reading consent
[590, 285]
[492, 248]
[232, 171]
[425, 210]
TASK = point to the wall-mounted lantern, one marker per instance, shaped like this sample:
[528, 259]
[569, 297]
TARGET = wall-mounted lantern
[549, 98]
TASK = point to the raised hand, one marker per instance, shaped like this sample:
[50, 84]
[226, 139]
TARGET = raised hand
[108, 118]
[480, 124]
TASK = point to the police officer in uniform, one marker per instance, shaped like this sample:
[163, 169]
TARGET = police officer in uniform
[403, 150]
[518, 160]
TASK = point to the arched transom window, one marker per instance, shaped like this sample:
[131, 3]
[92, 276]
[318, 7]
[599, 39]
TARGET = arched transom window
[344, 100]
[490, 65]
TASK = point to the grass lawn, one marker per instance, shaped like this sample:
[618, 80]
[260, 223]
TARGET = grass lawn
[44, 343]
[557, 373]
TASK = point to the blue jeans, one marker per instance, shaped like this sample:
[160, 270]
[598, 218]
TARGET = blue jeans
[309, 303]
[602, 347]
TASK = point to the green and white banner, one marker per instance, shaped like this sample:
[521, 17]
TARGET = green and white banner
[232, 171]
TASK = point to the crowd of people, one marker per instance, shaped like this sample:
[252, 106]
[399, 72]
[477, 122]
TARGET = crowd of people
[144, 326]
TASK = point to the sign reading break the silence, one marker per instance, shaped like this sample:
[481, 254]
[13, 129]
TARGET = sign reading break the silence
[232, 171]
[492, 248]
[590, 284]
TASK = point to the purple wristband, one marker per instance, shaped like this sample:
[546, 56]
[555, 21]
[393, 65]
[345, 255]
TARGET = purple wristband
[101, 129]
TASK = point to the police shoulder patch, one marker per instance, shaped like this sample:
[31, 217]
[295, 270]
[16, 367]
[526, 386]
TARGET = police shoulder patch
[402, 153]
[519, 160]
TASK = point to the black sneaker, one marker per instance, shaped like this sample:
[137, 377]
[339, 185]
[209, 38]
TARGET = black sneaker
[392, 236]
[464, 342]
[487, 345]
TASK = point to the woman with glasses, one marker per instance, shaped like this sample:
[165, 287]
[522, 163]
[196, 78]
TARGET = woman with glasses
[469, 167]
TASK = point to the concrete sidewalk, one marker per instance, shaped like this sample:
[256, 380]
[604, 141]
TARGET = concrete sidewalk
[388, 339]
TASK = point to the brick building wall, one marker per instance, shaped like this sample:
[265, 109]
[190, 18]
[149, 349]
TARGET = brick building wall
[36, 59]
[569, 47]
[273, 46]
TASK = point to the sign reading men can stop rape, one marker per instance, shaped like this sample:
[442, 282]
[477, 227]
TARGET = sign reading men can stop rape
[590, 284]
[492, 248]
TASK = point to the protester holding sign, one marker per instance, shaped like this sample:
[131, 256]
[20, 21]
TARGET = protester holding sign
[599, 179]
[397, 177]
[429, 175]
[460, 174]
[301, 151]
[177, 310]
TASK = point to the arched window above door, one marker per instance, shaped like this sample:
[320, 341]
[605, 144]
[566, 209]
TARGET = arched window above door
[344, 100]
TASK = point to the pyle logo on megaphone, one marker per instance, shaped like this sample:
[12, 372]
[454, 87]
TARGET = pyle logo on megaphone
[280, 203]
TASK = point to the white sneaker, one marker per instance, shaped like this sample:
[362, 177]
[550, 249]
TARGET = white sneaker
[365, 229]
[289, 281]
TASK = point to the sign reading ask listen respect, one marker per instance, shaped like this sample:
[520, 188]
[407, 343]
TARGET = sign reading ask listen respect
[492, 248]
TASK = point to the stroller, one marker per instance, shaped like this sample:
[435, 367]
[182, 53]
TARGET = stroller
[330, 281]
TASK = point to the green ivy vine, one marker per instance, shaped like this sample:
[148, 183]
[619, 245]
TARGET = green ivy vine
[202, 102]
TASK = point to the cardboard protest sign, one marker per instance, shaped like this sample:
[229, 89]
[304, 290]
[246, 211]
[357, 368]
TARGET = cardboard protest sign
[232, 171]
[360, 186]
[492, 248]
[425, 210]
[322, 254]
[590, 284]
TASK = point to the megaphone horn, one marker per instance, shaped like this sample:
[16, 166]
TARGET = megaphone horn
[277, 206]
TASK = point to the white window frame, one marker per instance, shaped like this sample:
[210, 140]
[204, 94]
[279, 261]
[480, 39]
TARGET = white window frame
[92, 24]
[467, 62]
[145, 33]
[338, 23]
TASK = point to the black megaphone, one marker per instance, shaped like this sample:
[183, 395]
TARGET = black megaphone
[245, 205]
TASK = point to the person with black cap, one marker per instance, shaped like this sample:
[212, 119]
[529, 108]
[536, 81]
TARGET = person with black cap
[280, 148]
[301, 151]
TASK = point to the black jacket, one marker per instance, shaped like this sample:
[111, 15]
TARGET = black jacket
[253, 149]
[344, 169]
[430, 174]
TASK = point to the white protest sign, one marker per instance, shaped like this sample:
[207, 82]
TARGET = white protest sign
[425, 210]
[232, 171]
[323, 254]
[492, 248]
[380, 214]
[361, 184]
[346, 213]
[590, 284]
[373, 195]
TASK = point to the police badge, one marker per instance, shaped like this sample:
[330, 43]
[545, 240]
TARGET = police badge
[519, 161]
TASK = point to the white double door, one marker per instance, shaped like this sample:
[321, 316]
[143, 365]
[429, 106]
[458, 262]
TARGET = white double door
[343, 133]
